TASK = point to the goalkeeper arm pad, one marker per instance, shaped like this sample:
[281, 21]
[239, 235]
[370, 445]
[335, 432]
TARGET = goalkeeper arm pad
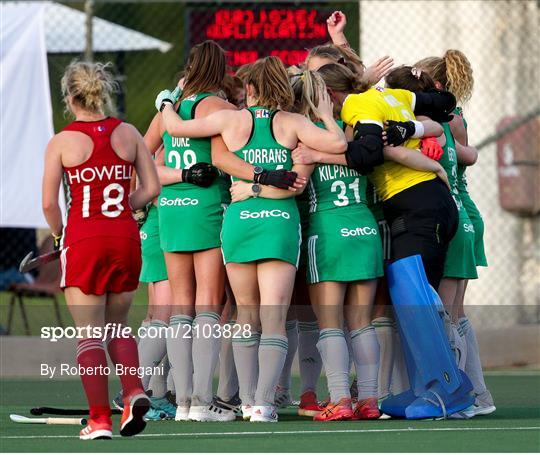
[366, 150]
[435, 104]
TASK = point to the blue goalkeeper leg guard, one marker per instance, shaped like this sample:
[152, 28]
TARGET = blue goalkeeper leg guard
[438, 387]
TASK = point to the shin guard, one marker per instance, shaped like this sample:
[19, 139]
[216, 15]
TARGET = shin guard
[438, 387]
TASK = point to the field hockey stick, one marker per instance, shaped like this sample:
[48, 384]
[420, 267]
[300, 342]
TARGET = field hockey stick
[30, 262]
[47, 420]
[64, 412]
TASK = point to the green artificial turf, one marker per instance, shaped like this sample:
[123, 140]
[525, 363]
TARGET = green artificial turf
[515, 427]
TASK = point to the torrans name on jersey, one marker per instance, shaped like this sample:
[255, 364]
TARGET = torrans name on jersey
[89, 174]
[263, 156]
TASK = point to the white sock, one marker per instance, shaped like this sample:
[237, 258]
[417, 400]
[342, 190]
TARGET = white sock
[347, 334]
[152, 348]
[272, 354]
[205, 351]
[170, 379]
[366, 360]
[400, 377]
[180, 358]
[384, 328]
[335, 357]
[228, 379]
[460, 349]
[246, 359]
[473, 364]
[309, 358]
[292, 344]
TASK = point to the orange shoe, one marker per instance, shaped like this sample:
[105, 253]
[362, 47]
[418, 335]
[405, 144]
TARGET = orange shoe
[132, 421]
[367, 410]
[308, 404]
[96, 430]
[342, 410]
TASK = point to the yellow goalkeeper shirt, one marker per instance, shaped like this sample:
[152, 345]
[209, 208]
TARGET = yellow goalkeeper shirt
[376, 106]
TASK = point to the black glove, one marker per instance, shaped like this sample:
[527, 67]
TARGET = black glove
[279, 178]
[200, 174]
[398, 132]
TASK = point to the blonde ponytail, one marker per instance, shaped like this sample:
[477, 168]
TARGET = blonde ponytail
[306, 87]
[453, 71]
[90, 85]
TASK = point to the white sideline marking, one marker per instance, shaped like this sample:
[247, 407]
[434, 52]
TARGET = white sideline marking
[255, 433]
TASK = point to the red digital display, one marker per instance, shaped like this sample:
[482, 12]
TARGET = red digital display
[251, 33]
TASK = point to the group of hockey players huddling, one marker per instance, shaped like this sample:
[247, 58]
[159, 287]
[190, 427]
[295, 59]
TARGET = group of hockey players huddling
[380, 178]
[303, 212]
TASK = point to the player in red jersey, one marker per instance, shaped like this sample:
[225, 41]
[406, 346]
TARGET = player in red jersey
[101, 256]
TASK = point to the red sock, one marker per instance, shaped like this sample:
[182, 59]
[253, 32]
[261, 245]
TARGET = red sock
[93, 362]
[123, 352]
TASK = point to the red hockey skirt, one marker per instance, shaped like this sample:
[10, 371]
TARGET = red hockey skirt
[100, 265]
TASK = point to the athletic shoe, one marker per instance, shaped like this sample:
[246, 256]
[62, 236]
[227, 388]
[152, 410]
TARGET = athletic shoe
[96, 430]
[246, 412]
[282, 397]
[132, 421]
[367, 410]
[164, 406]
[342, 410]
[483, 405]
[210, 413]
[154, 415]
[182, 413]
[264, 414]
[232, 405]
[309, 406]
[118, 401]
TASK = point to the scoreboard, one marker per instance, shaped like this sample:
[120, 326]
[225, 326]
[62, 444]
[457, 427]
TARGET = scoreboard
[254, 31]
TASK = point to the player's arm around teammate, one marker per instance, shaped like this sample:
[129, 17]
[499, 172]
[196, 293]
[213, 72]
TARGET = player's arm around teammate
[101, 251]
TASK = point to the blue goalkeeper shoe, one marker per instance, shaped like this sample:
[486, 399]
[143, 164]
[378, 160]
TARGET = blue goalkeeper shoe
[164, 406]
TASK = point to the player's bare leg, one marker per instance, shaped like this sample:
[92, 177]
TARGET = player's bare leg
[276, 282]
[484, 403]
[327, 299]
[365, 346]
[209, 295]
[181, 274]
[243, 281]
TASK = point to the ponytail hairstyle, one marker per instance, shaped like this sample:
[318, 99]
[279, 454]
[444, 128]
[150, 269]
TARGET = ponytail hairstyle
[453, 71]
[90, 86]
[205, 69]
[306, 87]
[337, 54]
[409, 78]
[339, 78]
[270, 81]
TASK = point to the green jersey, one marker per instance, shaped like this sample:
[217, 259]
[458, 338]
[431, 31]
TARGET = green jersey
[333, 185]
[461, 168]
[449, 162]
[260, 228]
[190, 217]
